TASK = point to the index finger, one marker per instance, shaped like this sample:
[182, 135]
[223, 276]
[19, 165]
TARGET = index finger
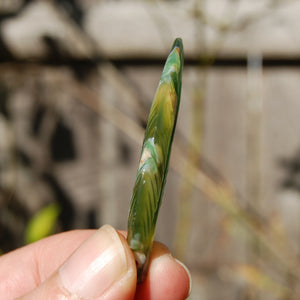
[25, 268]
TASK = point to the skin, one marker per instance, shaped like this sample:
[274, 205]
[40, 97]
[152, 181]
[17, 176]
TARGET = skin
[24, 270]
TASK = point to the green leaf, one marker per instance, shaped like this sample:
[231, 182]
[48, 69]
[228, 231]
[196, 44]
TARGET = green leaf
[42, 224]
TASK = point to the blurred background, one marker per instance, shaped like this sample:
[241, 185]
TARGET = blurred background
[77, 78]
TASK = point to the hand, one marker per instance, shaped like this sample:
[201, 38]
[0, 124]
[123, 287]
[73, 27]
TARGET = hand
[89, 264]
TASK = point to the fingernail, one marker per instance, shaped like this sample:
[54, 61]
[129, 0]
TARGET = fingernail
[96, 265]
[188, 273]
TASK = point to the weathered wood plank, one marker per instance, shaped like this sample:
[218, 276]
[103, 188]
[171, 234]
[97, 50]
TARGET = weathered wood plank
[146, 29]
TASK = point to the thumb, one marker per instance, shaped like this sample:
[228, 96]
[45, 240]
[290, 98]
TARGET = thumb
[102, 267]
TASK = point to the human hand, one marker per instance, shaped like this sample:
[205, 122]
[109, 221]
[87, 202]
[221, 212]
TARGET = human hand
[102, 266]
